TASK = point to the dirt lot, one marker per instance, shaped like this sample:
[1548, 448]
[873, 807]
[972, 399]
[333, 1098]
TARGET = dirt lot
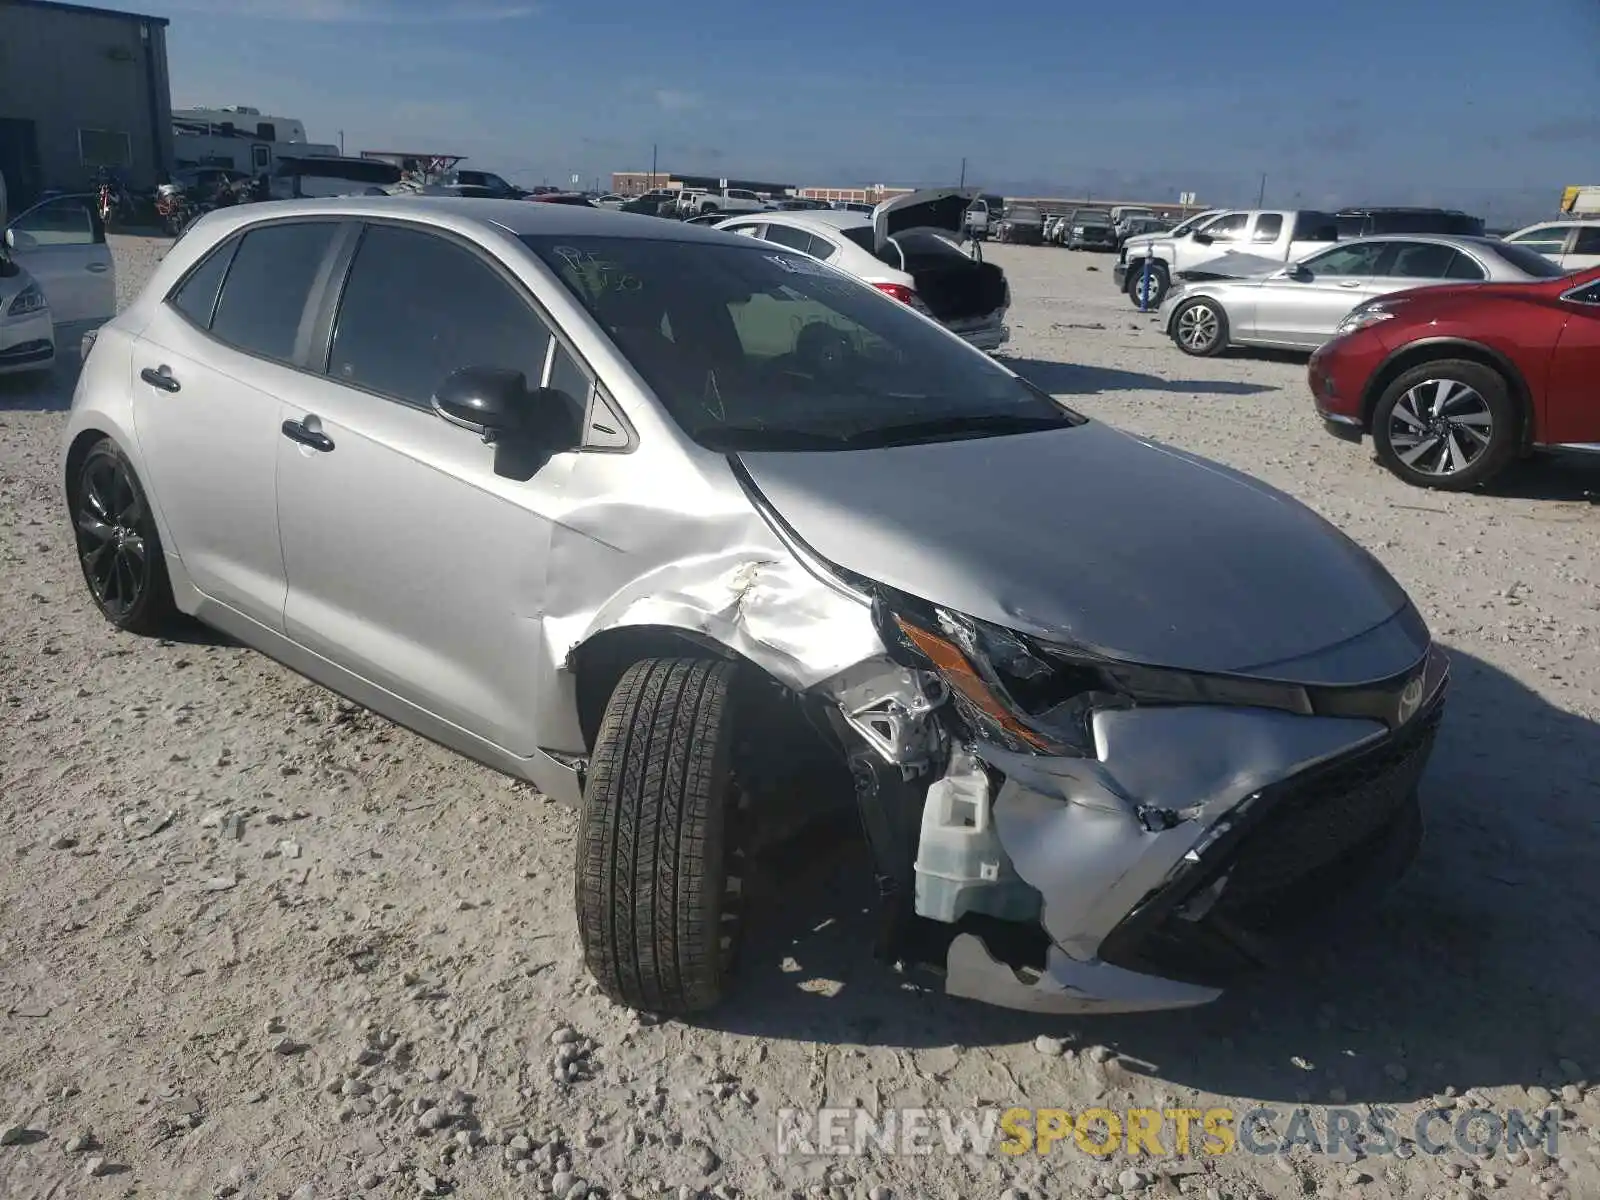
[252, 937]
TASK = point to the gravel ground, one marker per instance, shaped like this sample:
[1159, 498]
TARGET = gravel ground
[256, 941]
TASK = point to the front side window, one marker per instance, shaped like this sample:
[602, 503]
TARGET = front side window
[1544, 239]
[751, 347]
[64, 221]
[1227, 228]
[417, 307]
[1588, 241]
[1359, 259]
[267, 287]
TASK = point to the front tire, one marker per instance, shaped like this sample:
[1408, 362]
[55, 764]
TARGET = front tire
[1200, 328]
[1157, 288]
[1451, 424]
[660, 847]
[119, 547]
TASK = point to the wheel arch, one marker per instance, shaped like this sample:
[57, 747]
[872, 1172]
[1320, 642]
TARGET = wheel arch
[1414, 354]
[600, 661]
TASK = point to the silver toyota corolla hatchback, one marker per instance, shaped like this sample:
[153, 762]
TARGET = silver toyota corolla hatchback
[710, 539]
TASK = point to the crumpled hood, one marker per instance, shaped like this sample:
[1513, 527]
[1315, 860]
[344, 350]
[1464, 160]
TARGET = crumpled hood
[1234, 265]
[1089, 535]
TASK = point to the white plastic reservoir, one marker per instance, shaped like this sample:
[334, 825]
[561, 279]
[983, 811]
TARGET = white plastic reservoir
[961, 866]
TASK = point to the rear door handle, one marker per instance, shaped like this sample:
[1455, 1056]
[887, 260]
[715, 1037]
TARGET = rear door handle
[1350, 283]
[303, 432]
[160, 377]
[97, 268]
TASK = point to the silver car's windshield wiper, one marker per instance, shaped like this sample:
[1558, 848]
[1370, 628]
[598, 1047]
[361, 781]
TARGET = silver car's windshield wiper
[757, 437]
[967, 425]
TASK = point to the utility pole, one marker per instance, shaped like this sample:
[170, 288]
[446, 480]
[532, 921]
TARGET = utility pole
[652, 166]
[341, 143]
[1261, 196]
[963, 182]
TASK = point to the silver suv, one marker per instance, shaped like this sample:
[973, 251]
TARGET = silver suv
[713, 540]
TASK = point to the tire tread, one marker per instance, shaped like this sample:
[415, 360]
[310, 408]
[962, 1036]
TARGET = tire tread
[649, 874]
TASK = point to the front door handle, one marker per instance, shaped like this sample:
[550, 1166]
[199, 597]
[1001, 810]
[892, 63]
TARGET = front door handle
[97, 268]
[1350, 283]
[160, 377]
[308, 432]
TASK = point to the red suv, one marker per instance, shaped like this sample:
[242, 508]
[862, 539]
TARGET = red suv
[1454, 382]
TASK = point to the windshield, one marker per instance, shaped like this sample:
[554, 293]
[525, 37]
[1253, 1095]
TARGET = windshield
[1091, 218]
[1530, 262]
[753, 347]
[1192, 222]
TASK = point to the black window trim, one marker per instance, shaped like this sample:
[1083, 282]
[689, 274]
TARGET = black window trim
[299, 355]
[320, 345]
[228, 245]
[1574, 295]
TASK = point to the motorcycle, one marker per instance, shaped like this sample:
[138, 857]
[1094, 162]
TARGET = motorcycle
[111, 197]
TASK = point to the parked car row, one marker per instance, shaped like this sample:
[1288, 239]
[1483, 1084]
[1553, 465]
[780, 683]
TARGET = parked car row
[1456, 352]
[909, 247]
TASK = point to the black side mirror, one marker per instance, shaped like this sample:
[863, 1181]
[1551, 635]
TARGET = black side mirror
[1296, 271]
[493, 399]
[527, 428]
[1204, 239]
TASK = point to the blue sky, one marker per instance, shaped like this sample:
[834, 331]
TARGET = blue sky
[1484, 103]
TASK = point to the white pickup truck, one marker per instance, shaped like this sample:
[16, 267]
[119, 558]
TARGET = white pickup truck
[1269, 234]
[729, 200]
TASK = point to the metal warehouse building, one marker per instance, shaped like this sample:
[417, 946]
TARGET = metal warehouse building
[81, 88]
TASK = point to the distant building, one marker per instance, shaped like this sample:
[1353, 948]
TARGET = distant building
[876, 194]
[636, 183]
[81, 88]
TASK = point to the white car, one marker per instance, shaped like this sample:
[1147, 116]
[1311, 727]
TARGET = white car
[909, 248]
[1574, 245]
[56, 280]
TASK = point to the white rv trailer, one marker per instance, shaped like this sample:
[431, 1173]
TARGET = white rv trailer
[238, 137]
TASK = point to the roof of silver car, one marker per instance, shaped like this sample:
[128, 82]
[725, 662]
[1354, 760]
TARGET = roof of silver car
[514, 216]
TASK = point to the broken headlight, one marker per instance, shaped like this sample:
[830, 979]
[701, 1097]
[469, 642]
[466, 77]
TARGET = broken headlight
[1030, 695]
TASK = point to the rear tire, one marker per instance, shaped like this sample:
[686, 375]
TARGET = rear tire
[1200, 327]
[660, 845]
[1451, 424]
[119, 547]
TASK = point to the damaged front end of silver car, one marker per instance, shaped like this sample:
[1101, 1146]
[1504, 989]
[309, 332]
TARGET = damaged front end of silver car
[1064, 832]
[1052, 827]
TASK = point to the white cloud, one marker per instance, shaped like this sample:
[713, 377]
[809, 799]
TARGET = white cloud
[355, 12]
[674, 100]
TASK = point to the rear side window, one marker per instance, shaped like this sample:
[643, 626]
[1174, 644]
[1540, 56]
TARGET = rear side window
[787, 235]
[1462, 267]
[1422, 260]
[417, 307]
[267, 286]
[196, 296]
[1588, 241]
[1268, 227]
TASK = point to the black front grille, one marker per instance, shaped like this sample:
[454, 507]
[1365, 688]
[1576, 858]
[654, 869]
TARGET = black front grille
[1305, 843]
